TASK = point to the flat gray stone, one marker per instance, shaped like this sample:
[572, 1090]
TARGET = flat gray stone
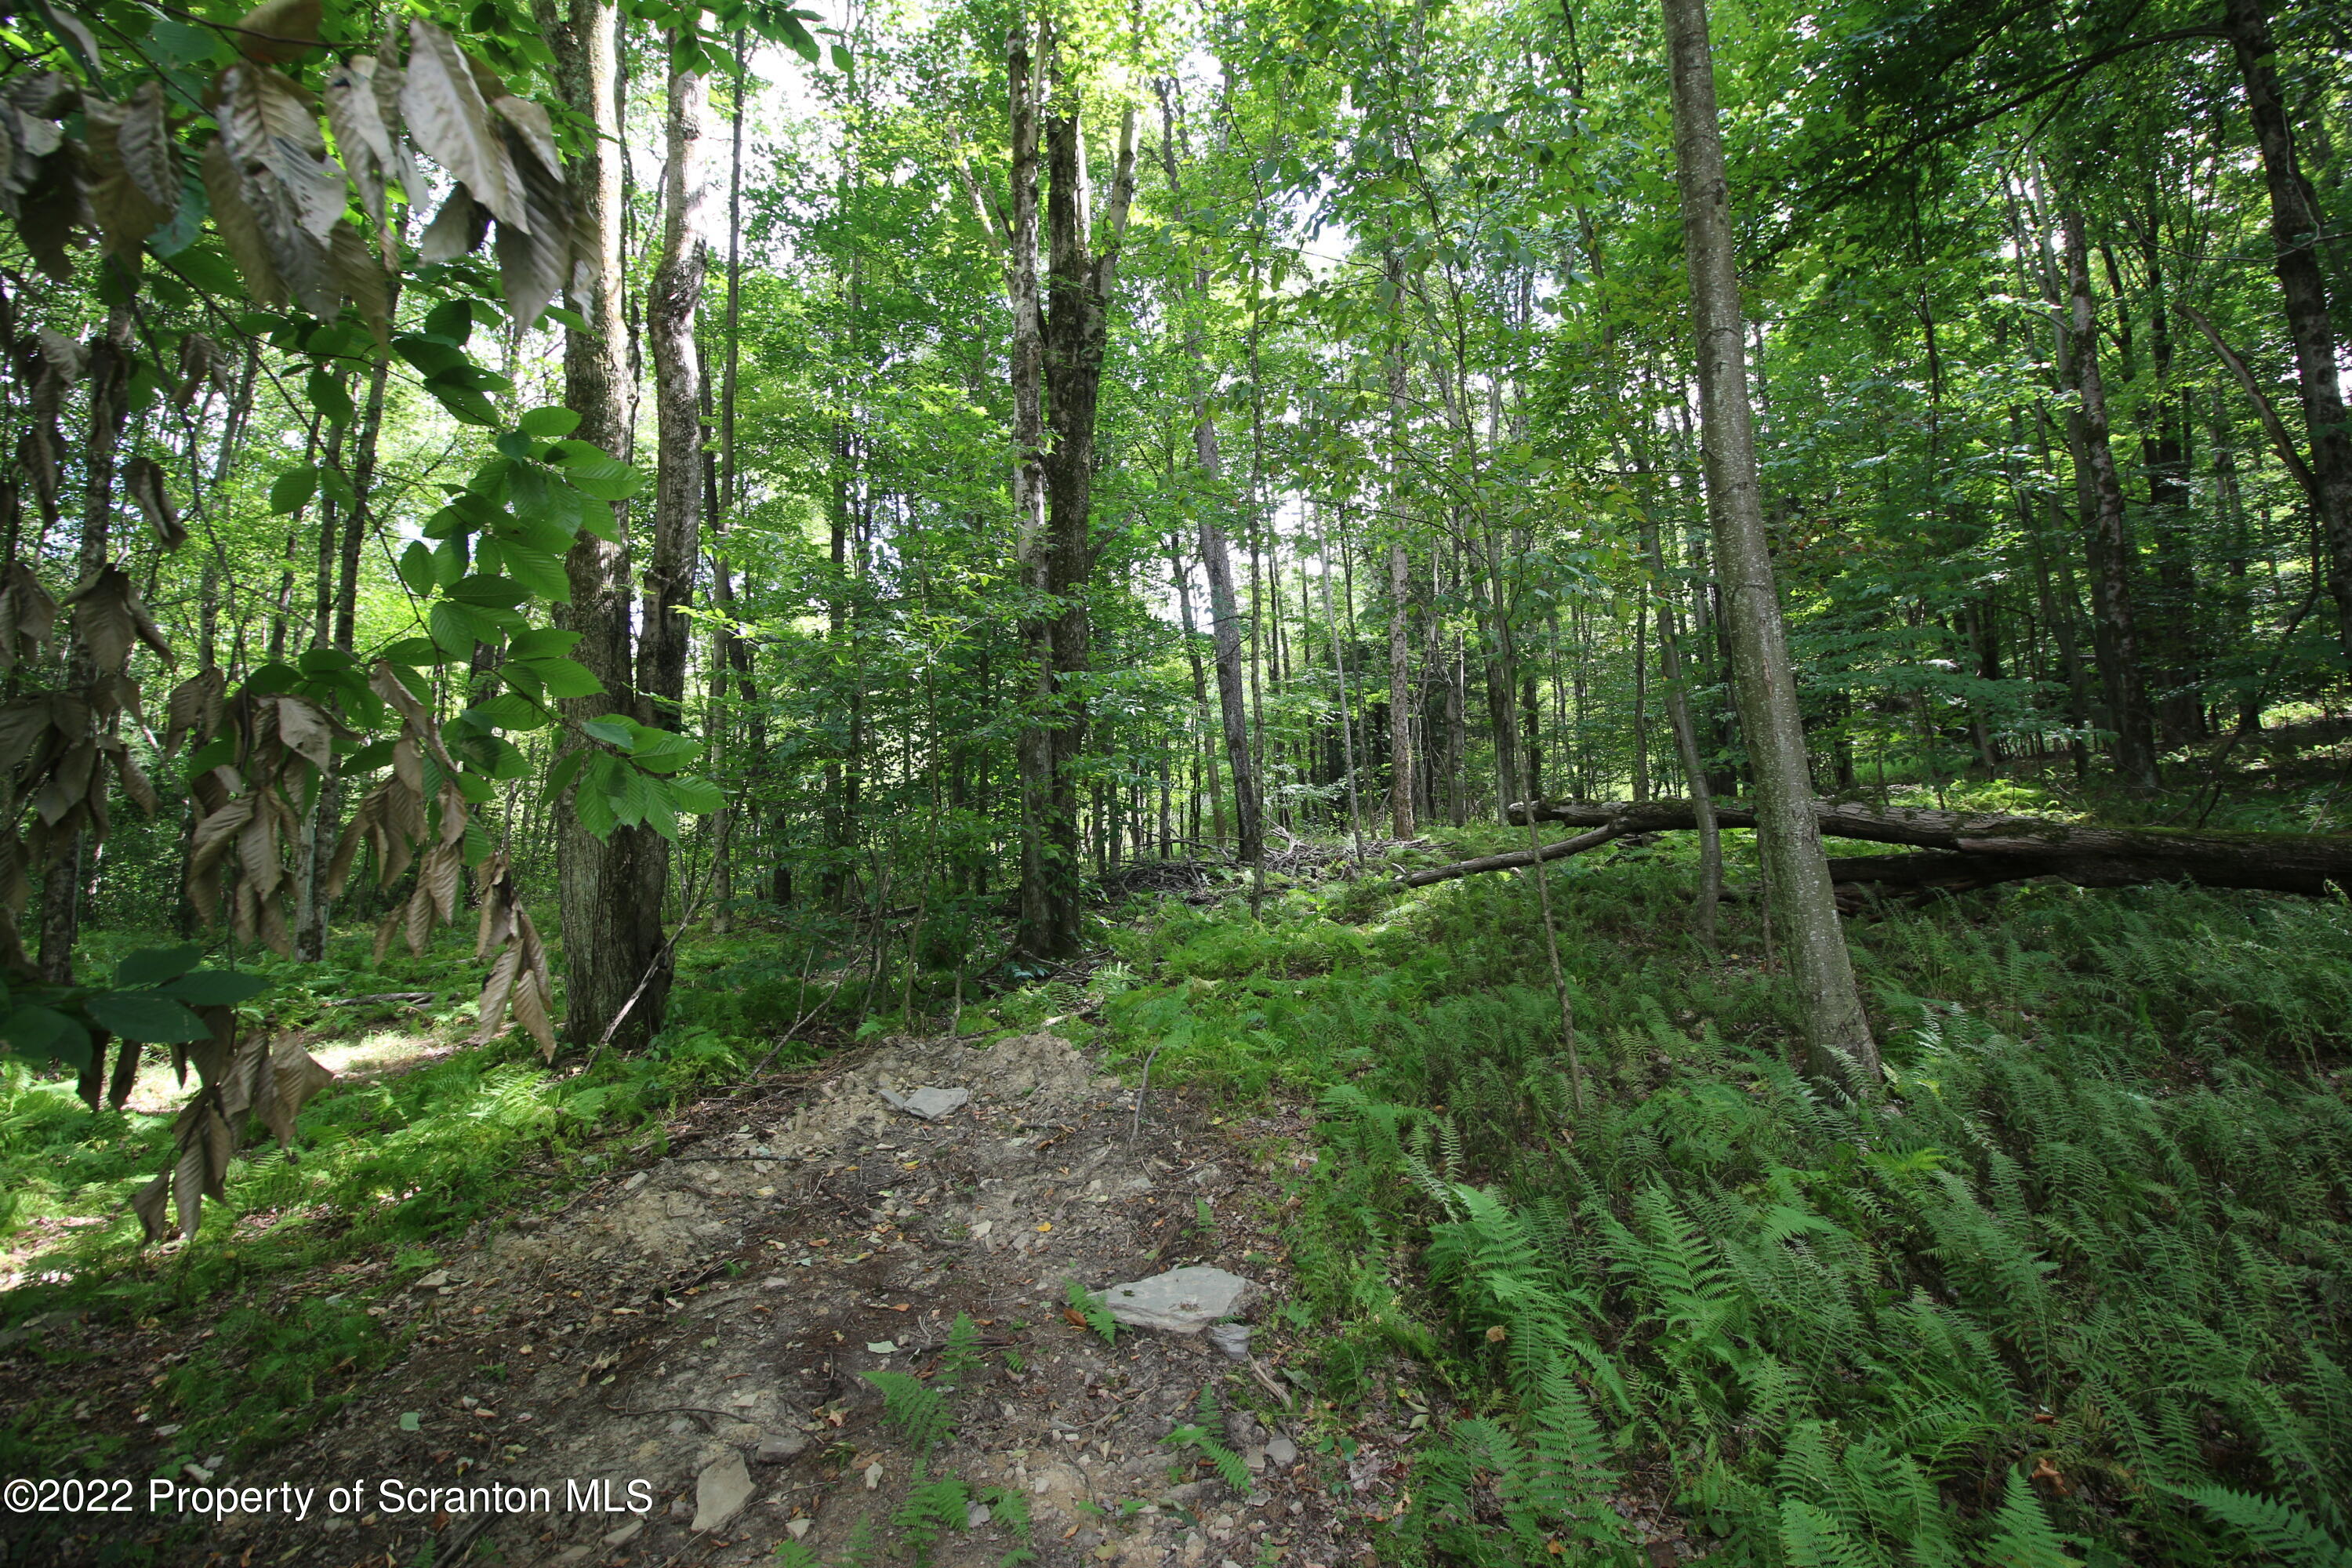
[1181, 1302]
[720, 1491]
[1281, 1452]
[931, 1104]
[775, 1451]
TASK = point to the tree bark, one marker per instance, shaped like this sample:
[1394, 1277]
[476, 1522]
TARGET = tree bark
[110, 410]
[1082, 260]
[2114, 632]
[2295, 229]
[611, 939]
[1838, 1040]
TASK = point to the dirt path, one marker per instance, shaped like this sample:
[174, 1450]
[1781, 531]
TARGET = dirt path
[700, 1329]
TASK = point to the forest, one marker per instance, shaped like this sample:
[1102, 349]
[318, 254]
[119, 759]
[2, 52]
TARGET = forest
[1427, 781]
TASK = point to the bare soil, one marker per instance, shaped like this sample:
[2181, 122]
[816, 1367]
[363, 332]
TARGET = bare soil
[616, 1359]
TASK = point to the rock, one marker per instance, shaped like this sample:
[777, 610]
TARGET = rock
[1181, 1301]
[1255, 1458]
[975, 1515]
[799, 1527]
[626, 1534]
[1281, 1452]
[931, 1104]
[720, 1491]
[874, 1474]
[432, 1281]
[1232, 1338]
[777, 1449]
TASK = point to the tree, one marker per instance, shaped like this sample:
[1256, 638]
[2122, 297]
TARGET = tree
[1838, 1040]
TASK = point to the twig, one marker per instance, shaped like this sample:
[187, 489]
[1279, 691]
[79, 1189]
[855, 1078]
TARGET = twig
[1136, 1131]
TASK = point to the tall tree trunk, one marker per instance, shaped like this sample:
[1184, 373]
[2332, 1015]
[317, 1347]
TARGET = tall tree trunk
[680, 474]
[1082, 263]
[2115, 631]
[1032, 551]
[109, 409]
[2295, 228]
[1200, 684]
[610, 939]
[1839, 1045]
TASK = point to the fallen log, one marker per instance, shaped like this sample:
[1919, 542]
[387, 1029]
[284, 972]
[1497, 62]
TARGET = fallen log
[1971, 849]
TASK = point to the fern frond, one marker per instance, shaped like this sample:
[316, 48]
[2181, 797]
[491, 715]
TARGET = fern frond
[2283, 1530]
[919, 1413]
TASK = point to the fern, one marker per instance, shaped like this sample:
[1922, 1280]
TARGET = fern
[932, 1510]
[919, 1413]
[1198, 1438]
[964, 1354]
[1090, 1306]
[2286, 1533]
[2021, 1535]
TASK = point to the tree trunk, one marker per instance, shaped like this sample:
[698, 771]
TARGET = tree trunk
[109, 409]
[1971, 849]
[610, 939]
[2295, 229]
[2114, 633]
[1837, 1032]
[1217, 565]
[1082, 263]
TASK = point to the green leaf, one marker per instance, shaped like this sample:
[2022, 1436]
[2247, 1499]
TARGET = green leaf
[458, 626]
[567, 768]
[453, 320]
[594, 799]
[612, 731]
[690, 793]
[146, 1017]
[563, 677]
[150, 964]
[414, 650]
[541, 641]
[292, 489]
[549, 424]
[538, 570]
[509, 711]
[496, 593]
[595, 473]
[216, 987]
[329, 396]
[373, 756]
[416, 567]
[36, 1031]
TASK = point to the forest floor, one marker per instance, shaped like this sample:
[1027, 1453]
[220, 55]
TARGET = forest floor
[690, 1337]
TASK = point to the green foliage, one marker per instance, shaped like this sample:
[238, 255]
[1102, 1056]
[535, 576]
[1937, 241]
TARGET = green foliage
[1198, 1436]
[932, 1510]
[964, 1354]
[1090, 1306]
[2099, 1221]
[918, 1413]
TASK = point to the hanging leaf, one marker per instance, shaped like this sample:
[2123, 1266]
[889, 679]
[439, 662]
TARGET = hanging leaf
[144, 478]
[110, 617]
[534, 260]
[443, 107]
[294, 190]
[240, 227]
[280, 32]
[28, 617]
[458, 229]
[143, 142]
[361, 139]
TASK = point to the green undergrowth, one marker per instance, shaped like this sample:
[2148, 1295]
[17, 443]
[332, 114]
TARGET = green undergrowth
[2076, 1290]
[383, 1167]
